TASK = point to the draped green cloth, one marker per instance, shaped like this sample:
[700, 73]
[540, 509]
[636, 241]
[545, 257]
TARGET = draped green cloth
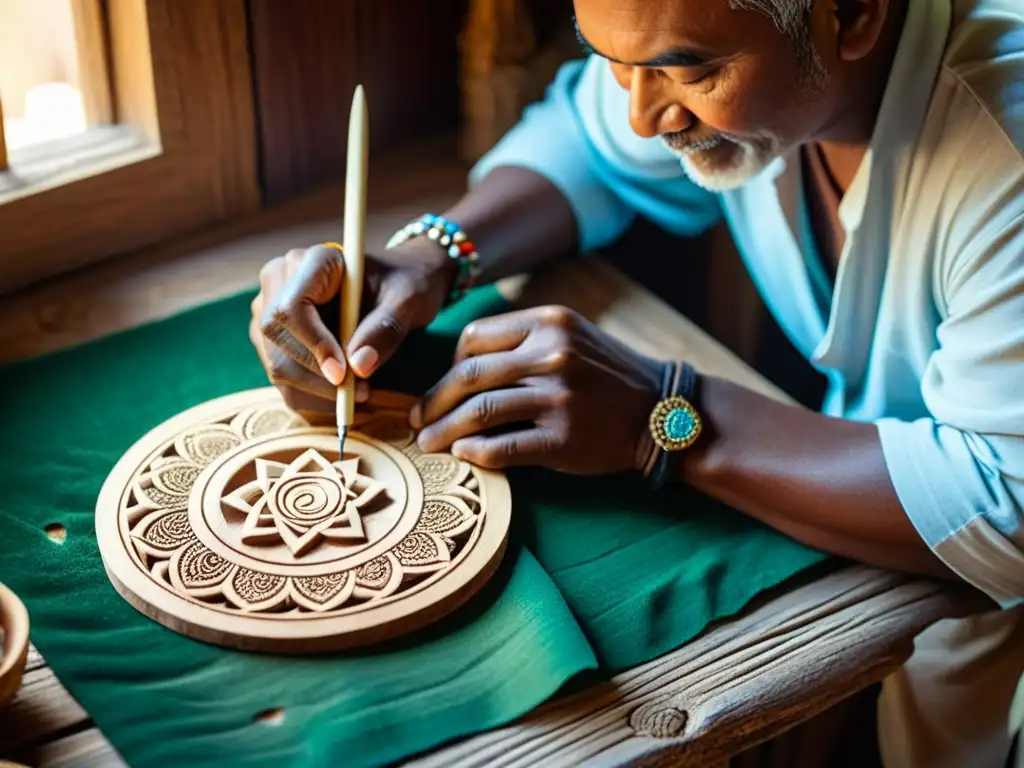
[600, 574]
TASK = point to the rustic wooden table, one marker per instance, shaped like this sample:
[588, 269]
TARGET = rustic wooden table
[789, 656]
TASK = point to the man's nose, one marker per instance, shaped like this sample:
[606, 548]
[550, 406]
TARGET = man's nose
[652, 109]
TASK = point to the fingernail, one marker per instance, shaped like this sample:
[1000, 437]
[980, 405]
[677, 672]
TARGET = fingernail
[363, 360]
[362, 391]
[416, 416]
[456, 450]
[423, 442]
[333, 371]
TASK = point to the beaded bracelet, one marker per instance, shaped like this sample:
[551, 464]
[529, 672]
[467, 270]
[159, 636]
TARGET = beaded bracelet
[449, 236]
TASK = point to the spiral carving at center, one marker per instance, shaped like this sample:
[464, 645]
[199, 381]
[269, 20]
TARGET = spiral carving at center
[304, 503]
[307, 501]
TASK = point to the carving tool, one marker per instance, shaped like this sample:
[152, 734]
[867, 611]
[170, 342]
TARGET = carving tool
[353, 251]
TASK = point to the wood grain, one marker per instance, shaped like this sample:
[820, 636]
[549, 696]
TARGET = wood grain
[308, 56]
[3, 141]
[204, 171]
[93, 60]
[788, 656]
[304, 62]
[739, 684]
[98, 149]
[42, 709]
[408, 60]
[133, 89]
[85, 749]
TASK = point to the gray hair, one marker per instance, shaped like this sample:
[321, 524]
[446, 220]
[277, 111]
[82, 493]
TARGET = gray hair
[792, 18]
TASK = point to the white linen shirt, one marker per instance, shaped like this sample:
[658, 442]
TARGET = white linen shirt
[923, 332]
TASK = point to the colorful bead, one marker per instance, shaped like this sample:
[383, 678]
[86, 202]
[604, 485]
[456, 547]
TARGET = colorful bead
[449, 236]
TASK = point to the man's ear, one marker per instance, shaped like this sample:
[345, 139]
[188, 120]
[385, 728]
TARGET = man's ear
[858, 25]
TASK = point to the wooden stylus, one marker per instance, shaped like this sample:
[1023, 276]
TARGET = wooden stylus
[354, 250]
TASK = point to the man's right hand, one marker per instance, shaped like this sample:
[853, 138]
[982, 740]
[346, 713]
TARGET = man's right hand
[302, 355]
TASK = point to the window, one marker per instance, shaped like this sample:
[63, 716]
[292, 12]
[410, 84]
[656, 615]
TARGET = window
[124, 122]
[53, 70]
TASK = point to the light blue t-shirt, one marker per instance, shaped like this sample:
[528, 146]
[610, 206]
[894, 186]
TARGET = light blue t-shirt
[923, 332]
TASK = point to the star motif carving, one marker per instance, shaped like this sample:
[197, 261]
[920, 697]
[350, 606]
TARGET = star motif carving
[304, 503]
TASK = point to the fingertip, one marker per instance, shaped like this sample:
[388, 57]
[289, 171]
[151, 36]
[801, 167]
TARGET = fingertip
[363, 361]
[333, 371]
[416, 416]
[459, 450]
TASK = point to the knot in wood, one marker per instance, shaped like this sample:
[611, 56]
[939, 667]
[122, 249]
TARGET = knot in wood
[659, 722]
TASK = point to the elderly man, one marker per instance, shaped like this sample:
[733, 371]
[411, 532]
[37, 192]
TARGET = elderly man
[867, 157]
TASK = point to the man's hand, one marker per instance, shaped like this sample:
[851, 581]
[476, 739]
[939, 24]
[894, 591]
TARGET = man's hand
[565, 396]
[301, 352]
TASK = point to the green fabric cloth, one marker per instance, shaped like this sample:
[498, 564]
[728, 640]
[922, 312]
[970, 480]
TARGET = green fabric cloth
[600, 574]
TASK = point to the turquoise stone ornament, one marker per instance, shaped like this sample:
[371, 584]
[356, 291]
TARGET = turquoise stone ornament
[675, 424]
[678, 424]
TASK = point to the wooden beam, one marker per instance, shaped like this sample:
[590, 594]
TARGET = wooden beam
[89, 17]
[135, 93]
[3, 141]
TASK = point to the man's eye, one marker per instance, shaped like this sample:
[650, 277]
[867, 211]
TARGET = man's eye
[689, 75]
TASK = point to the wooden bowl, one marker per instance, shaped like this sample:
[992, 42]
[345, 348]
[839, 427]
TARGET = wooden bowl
[14, 645]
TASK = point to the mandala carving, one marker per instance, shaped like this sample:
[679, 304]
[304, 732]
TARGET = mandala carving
[239, 523]
[304, 502]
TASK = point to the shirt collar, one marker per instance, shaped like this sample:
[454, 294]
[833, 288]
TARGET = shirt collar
[905, 102]
[908, 93]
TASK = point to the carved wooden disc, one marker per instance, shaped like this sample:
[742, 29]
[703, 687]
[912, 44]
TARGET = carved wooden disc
[237, 523]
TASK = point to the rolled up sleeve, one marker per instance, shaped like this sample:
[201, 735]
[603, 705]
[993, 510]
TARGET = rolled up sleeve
[579, 138]
[960, 474]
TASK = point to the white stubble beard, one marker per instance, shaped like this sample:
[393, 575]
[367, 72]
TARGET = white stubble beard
[750, 160]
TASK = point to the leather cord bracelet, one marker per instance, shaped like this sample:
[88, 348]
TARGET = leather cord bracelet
[674, 423]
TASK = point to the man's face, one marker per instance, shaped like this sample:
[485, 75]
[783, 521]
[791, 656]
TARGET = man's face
[724, 89]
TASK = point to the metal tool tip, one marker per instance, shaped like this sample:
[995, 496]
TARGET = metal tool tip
[341, 442]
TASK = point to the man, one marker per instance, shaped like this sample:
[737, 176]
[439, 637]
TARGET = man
[867, 156]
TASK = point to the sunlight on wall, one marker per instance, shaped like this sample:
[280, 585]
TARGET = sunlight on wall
[51, 111]
[39, 72]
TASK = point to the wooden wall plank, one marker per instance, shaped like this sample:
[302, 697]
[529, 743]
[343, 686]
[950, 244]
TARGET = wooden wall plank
[304, 66]
[308, 56]
[408, 60]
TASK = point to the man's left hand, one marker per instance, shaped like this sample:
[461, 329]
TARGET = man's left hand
[542, 387]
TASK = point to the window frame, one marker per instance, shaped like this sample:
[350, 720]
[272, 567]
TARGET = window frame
[181, 75]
